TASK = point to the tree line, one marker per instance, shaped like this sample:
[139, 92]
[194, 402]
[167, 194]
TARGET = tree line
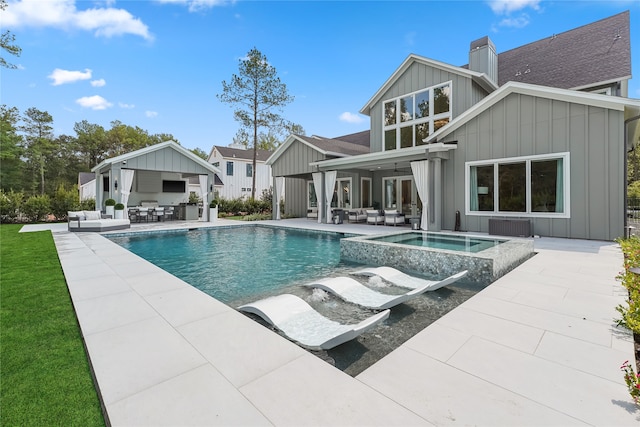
[34, 161]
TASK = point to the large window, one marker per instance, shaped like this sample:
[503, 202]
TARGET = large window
[312, 200]
[532, 186]
[409, 119]
[249, 170]
[365, 193]
[229, 168]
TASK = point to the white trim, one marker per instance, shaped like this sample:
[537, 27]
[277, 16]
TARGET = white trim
[605, 82]
[430, 119]
[566, 169]
[481, 78]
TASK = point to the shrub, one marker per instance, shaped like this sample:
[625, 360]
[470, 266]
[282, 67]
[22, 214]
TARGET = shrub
[119, 207]
[10, 206]
[63, 201]
[631, 281]
[88, 205]
[214, 203]
[36, 208]
[109, 202]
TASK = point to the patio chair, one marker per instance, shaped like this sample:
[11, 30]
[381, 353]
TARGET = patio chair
[299, 322]
[393, 217]
[169, 213]
[357, 215]
[158, 213]
[143, 213]
[374, 217]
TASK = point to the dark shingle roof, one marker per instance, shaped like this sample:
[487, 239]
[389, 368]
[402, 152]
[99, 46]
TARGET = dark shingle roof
[262, 155]
[594, 53]
[352, 145]
[85, 177]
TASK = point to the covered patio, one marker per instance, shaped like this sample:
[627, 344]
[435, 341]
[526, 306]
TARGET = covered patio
[157, 175]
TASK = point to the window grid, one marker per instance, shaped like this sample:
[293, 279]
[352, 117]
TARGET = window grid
[405, 122]
[529, 210]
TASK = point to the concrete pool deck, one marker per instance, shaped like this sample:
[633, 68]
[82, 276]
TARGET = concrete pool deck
[536, 347]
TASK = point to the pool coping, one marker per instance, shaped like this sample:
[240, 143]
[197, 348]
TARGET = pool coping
[536, 347]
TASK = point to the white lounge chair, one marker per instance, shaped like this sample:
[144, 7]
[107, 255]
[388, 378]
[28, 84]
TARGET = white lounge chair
[353, 291]
[404, 280]
[302, 324]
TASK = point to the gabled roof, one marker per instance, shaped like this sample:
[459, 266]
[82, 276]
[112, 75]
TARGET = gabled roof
[342, 146]
[229, 152]
[481, 78]
[152, 148]
[596, 53]
[85, 177]
[630, 107]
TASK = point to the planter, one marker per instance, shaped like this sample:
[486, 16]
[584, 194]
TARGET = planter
[119, 214]
[213, 214]
[109, 211]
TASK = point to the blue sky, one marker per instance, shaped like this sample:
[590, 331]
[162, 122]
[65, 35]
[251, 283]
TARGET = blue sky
[158, 64]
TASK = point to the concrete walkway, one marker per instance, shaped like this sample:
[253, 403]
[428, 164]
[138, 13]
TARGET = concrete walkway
[537, 347]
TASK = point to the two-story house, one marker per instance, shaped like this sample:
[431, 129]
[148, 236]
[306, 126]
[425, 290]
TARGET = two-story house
[236, 165]
[537, 134]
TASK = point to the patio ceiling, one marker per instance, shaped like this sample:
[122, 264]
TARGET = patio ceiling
[385, 160]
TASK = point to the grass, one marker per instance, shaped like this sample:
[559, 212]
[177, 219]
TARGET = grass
[44, 371]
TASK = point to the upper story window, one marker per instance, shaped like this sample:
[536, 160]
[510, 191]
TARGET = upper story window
[249, 170]
[229, 168]
[411, 118]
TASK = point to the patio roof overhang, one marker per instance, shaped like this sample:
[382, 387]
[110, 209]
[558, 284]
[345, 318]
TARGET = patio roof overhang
[385, 159]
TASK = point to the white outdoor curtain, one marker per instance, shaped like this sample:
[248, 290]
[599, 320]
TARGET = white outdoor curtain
[203, 191]
[317, 185]
[279, 192]
[126, 181]
[330, 183]
[421, 177]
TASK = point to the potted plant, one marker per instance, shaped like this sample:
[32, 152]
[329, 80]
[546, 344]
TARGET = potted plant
[109, 205]
[119, 209]
[213, 210]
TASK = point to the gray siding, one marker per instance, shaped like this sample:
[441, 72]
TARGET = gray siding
[168, 160]
[295, 201]
[295, 160]
[522, 125]
[418, 76]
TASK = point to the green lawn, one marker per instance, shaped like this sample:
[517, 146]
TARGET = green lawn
[44, 373]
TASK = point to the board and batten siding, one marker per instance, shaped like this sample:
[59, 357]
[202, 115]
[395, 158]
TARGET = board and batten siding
[464, 94]
[166, 159]
[295, 160]
[523, 125]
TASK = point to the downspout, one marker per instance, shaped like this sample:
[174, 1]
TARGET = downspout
[626, 160]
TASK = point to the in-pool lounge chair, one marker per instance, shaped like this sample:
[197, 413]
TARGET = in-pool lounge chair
[302, 324]
[353, 291]
[404, 280]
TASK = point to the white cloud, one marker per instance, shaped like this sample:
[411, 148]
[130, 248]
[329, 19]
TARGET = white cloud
[519, 22]
[95, 102]
[62, 14]
[196, 5]
[151, 114]
[351, 118]
[502, 7]
[61, 77]
[98, 83]
[126, 106]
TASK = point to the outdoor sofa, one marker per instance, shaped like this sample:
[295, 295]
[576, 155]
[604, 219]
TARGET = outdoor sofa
[94, 221]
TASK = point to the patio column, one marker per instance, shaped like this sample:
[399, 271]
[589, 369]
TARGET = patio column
[99, 190]
[204, 188]
[317, 185]
[436, 204]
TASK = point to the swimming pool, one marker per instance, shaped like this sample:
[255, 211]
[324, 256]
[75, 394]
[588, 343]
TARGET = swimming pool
[241, 263]
[441, 241]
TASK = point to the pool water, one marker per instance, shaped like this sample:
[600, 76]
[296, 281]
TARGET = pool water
[240, 263]
[439, 241]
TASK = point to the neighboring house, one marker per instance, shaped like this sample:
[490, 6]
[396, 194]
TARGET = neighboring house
[539, 133]
[86, 186]
[236, 165]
